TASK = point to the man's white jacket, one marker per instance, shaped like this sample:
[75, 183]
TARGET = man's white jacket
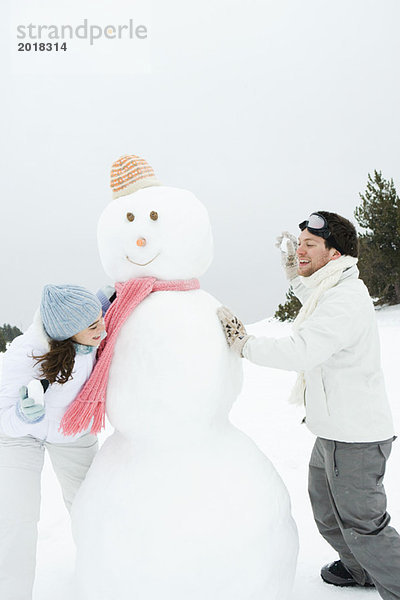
[19, 369]
[338, 349]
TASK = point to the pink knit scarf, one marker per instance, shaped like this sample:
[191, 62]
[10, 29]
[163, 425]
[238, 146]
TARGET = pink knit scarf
[89, 406]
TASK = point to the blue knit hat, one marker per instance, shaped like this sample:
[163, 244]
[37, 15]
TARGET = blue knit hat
[67, 310]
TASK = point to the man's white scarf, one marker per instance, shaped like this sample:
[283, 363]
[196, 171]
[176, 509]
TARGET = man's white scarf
[320, 281]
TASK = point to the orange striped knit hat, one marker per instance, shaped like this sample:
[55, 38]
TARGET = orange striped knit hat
[129, 174]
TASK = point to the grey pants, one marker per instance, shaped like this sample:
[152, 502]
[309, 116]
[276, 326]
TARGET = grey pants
[349, 504]
[21, 462]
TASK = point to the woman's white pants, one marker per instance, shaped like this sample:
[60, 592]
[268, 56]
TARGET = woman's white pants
[21, 463]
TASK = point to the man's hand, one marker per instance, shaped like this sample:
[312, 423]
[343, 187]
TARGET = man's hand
[287, 244]
[28, 410]
[234, 330]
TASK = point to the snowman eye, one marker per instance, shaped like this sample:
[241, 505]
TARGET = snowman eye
[130, 216]
[153, 215]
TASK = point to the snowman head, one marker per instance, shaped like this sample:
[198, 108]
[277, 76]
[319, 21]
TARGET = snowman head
[154, 231]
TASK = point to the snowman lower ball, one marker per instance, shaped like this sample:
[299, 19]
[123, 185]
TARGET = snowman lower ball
[179, 504]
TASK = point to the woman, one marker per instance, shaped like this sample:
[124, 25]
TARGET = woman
[60, 347]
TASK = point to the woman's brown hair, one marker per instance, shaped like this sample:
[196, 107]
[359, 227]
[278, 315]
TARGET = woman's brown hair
[57, 364]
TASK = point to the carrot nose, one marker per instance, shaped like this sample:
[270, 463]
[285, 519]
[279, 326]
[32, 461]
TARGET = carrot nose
[141, 242]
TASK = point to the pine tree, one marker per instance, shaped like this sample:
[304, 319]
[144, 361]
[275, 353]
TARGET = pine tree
[289, 310]
[10, 332]
[379, 261]
[3, 345]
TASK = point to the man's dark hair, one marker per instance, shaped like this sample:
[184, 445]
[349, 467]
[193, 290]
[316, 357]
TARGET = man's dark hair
[344, 234]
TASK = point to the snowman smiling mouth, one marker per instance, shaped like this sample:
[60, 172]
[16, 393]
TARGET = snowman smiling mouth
[143, 264]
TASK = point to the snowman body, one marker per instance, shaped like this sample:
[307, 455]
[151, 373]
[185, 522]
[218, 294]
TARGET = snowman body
[179, 503]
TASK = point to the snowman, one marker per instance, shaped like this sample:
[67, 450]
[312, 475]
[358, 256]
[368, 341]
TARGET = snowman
[179, 504]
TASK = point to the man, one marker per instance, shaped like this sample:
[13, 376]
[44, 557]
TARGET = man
[335, 349]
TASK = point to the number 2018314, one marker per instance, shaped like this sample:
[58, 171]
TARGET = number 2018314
[41, 47]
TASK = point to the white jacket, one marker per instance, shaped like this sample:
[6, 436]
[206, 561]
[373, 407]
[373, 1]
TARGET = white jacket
[18, 369]
[338, 349]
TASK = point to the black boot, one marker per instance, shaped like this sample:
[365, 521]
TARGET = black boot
[337, 574]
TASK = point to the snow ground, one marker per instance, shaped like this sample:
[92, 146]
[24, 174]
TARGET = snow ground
[263, 413]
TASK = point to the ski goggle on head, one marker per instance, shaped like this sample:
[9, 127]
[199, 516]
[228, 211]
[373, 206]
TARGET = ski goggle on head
[318, 225]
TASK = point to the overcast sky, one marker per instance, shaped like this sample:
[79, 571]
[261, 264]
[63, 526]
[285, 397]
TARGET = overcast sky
[265, 109]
